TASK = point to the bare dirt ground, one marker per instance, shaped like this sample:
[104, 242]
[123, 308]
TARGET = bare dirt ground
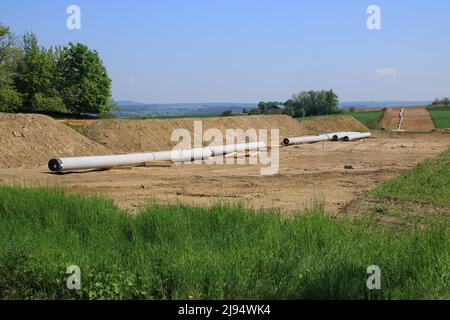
[335, 172]
[30, 140]
[415, 119]
[391, 118]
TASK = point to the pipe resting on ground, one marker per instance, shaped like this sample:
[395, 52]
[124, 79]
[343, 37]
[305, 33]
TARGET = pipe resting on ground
[137, 159]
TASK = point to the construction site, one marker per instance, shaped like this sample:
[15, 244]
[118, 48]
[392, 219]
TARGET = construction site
[335, 172]
[220, 156]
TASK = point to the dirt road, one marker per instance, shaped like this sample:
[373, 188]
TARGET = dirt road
[335, 172]
[414, 119]
[417, 119]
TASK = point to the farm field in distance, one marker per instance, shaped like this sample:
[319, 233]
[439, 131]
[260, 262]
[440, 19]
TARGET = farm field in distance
[372, 118]
[441, 117]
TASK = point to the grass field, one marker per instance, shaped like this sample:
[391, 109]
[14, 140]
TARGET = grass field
[179, 252]
[370, 118]
[429, 183]
[441, 117]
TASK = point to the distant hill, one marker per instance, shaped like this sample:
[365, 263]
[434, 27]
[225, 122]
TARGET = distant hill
[136, 109]
[381, 104]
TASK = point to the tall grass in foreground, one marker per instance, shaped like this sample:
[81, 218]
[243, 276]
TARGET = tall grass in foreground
[179, 252]
[429, 182]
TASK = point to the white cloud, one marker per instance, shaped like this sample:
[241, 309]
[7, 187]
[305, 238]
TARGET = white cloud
[387, 72]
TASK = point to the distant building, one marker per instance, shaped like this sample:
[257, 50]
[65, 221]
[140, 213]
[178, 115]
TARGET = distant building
[278, 109]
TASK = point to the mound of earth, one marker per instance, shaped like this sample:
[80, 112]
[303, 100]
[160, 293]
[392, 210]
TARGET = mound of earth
[154, 135]
[332, 124]
[417, 119]
[29, 140]
[414, 119]
[391, 118]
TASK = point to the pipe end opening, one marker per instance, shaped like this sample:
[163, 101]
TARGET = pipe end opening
[55, 165]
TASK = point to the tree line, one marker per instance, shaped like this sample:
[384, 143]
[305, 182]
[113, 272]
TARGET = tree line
[67, 79]
[306, 103]
[441, 101]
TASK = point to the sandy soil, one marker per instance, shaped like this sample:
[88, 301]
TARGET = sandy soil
[391, 118]
[30, 140]
[415, 119]
[335, 172]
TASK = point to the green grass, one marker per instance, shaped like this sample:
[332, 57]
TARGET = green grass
[73, 126]
[441, 117]
[370, 119]
[223, 252]
[429, 182]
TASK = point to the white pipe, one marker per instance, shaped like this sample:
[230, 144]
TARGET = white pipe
[340, 135]
[306, 139]
[183, 155]
[136, 159]
[357, 136]
[221, 150]
[323, 137]
[99, 162]
[400, 122]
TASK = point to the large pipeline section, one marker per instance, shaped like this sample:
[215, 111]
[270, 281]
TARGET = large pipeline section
[307, 139]
[346, 136]
[138, 159]
[340, 135]
[357, 136]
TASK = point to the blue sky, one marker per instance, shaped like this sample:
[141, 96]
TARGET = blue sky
[252, 50]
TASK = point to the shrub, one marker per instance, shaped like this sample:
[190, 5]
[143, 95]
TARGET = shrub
[42, 104]
[10, 99]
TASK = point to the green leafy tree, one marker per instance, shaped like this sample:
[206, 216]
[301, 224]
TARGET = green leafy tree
[47, 104]
[35, 78]
[445, 101]
[9, 52]
[289, 107]
[83, 81]
[227, 113]
[262, 106]
[316, 103]
[300, 113]
[10, 99]
[254, 111]
[332, 102]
